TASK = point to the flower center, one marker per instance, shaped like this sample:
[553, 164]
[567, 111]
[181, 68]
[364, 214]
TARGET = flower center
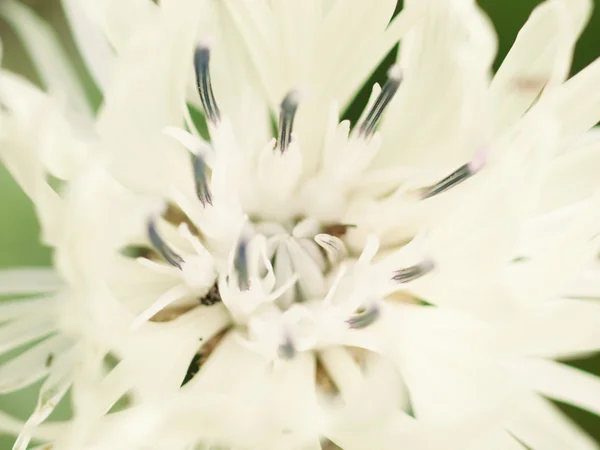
[289, 284]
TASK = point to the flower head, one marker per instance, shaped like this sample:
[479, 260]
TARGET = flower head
[269, 276]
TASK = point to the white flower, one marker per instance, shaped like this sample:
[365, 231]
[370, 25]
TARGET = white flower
[403, 282]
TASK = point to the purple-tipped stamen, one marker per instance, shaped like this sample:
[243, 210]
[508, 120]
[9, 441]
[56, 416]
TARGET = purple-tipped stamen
[207, 97]
[161, 246]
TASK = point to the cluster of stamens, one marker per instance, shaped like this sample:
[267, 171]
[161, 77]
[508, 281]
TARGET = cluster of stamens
[332, 246]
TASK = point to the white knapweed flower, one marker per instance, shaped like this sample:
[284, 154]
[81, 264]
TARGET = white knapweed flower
[243, 270]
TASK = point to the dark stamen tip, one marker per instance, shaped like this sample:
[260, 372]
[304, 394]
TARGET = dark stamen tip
[287, 350]
[240, 264]
[413, 272]
[365, 317]
[289, 106]
[460, 175]
[388, 91]
[201, 180]
[201, 66]
[161, 246]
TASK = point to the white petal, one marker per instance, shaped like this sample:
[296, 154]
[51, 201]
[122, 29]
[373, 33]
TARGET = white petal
[560, 382]
[343, 370]
[121, 19]
[48, 55]
[177, 341]
[438, 110]
[145, 97]
[45, 432]
[92, 43]
[29, 281]
[554, 329]
[23, 307]
[25, 330]
[430, 340]
[540, 58]
[90, 235]
[51, 393]
[262, 397]
[346, 58]
[164, 300]
[539, 424]
[553, 267]
[31, 365]
[571, 176]
[577, 103]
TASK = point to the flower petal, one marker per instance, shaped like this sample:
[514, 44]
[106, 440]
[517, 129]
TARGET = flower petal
[539, 424]
[120, 19]
[31, 365]
[439, 111]
[93, 45]
[52, 391]
[25, 330]
[571, 176]
[560, 382]
[554, 329]
[145, 96]
[12, 309]
[29, 281]
[539, 59]
[576, 104]
[49, 57]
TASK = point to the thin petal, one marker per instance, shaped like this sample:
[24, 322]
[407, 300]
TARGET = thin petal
[438, 112]
[46, 432]
[571, 176]
[577, 103]
[48, 55]
[93, 45]
[29, 281]
[145, 97]
[555, 329]
[539, 59]
[120, 19]
[31, 365]
[540, 425]
[52, 391]
[560, 382]
[12, 309]
[25, 330]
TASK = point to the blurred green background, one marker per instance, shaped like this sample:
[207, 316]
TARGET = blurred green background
[19, 230]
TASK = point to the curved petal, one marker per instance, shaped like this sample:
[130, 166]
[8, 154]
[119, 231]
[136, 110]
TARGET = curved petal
[120, 20]
[539, 59]
[439, 111]
[146, 96]
[93, 45]
[554, 329]
[49, 57]
[572, 176]
[539, 424]
[28, 281]
[560, 382]
[576, 104]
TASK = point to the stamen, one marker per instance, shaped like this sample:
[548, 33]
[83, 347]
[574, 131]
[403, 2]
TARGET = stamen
[201, 180]
[364, 318]
[461, 174]
[201, 65]
[161, 246]
[289, 106]
[240, 264]
[367, 128]
[413, 272]
[287, 350]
